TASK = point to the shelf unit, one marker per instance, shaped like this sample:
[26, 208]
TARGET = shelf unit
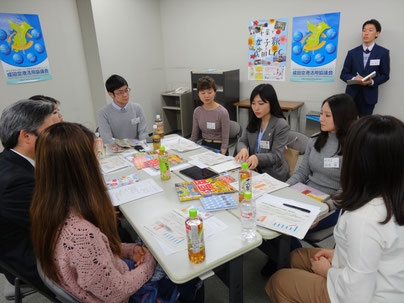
[227, 87]
[178, 111]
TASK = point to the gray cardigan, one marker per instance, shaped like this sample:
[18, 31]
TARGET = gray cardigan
[270, 161]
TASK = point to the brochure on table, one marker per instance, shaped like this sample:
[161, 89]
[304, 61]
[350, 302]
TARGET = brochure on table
[285, 216]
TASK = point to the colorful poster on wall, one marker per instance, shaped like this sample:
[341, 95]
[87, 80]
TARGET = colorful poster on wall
[267, 43]
[314, 47]
[22, 49]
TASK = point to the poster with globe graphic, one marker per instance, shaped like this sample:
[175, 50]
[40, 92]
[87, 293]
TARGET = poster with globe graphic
[314, 47]
[22, 49]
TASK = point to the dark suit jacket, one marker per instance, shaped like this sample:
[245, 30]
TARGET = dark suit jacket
[16, 189]
[270, 161]
[354, 64]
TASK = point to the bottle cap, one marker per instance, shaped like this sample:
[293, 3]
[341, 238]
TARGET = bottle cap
[193, 212]
[162, 148]
[244, 165]
[248, 195]
[157, 116]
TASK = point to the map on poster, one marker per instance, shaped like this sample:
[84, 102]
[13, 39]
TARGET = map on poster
[22, 49]
[314, 47]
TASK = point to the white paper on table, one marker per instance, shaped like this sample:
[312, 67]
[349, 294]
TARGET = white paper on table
[134, 191]
[113, 163]
[198, 163]
[264, 183]
[179, 166]
[225, 166]
[183, 145]
[151, 171]
[167, 142]
[272, 213]
[211, 158]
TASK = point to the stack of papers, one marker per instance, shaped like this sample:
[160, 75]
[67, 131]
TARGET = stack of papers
[210, 158]
[218, 202]
[113, 163]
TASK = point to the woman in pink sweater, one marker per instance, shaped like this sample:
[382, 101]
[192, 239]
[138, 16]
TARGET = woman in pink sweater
[74, 231]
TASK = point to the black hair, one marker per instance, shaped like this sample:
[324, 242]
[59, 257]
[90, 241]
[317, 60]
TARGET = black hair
[375, 23]
[205, 83]
[114, 82]
[373, 165]
[268, 95]
[343, 112]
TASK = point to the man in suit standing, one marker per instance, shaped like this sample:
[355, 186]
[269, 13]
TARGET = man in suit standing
[363, 60]
[20, 124]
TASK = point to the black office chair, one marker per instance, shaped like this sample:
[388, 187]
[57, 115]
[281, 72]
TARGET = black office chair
[20, 278]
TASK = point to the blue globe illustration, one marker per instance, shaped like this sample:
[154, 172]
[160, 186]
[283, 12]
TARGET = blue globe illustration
[3, 35]
[36, 34]
[18, 58]
[39, 48]
[319, 58]
[297, 36]
[297, 49]
[331, 33]
[5, 49]
[330, 48]
[306, 58]
[31, 57]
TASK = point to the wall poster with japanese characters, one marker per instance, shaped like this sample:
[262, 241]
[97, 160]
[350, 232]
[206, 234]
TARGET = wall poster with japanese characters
[267, 44]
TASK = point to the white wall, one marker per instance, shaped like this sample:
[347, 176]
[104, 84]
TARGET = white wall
[130, 44]
[69, 84]
[213, 34]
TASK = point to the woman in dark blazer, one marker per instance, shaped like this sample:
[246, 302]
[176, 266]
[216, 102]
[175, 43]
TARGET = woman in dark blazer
[262, 143]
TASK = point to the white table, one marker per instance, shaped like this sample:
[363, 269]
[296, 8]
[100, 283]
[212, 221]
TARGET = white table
[223, 249]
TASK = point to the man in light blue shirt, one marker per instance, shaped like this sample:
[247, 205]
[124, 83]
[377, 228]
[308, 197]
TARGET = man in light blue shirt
[121, 119]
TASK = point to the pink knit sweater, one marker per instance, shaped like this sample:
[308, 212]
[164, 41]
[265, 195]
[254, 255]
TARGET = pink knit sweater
[89, 270]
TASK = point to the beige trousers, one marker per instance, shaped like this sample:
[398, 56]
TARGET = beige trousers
[298, 283]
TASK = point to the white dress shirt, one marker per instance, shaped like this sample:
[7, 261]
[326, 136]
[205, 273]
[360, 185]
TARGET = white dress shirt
[368, 263]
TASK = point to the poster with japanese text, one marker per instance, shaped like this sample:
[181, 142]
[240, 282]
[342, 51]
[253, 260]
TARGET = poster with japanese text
[267, 44]
[314, 47]
[22, 49]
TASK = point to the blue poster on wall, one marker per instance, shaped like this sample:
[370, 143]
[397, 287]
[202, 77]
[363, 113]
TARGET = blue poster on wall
[22, 49]
[314, 47]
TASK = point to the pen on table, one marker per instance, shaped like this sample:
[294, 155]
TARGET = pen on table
[296, 207]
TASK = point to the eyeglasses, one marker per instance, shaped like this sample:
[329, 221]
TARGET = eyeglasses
[122, 92]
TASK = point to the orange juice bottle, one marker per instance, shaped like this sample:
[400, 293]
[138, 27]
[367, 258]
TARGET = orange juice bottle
[156, 139]
[164, 164]
[196, 244]
[244, 181]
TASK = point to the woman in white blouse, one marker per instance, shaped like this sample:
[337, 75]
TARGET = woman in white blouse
[367, 263]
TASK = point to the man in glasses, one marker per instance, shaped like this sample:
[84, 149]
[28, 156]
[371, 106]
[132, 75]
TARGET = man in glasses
[121, 119]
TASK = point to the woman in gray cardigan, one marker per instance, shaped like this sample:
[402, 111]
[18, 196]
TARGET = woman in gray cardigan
[262, 143]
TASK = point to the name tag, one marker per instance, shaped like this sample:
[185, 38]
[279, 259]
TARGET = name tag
[264, 144]
[331, 162]
[135, 120]
[374, 62]
[210, 125]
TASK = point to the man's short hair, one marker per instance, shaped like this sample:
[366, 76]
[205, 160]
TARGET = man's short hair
[114, 82]
[23, 115]
[375, 23]
[46, 98]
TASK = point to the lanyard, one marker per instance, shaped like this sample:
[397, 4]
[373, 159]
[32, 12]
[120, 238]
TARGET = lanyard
[260, 134]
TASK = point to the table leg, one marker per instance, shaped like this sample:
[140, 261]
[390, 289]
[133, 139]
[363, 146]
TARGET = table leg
[232, 275]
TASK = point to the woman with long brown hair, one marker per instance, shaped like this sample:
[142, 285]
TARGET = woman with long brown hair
[74, 231]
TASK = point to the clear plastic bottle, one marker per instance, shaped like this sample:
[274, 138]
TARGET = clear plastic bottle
[164, 164]
[156, 139]
[244, 181]
[160, 126]
[196, 244]
[248, 217]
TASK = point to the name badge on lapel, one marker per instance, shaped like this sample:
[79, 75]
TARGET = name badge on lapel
[264, 144]
[210, 125]
[374, 62]
[331, 162]
[135, 120]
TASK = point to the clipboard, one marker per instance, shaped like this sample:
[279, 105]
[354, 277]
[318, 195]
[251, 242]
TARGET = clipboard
[370, 76]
